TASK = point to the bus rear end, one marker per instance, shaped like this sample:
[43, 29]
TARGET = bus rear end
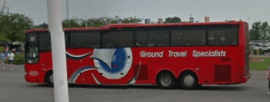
[246, 75]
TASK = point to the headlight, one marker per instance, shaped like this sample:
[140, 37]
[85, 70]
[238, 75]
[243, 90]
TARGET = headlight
[30, 61]
[33, 73]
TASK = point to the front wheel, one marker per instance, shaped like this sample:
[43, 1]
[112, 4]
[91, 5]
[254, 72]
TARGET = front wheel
[49, 78]
[188, 81]
[166, 80]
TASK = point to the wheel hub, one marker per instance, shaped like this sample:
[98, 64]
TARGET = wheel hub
[51, 78]
[166, 80]
[189, 80]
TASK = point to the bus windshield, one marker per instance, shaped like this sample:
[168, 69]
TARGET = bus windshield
[31, 48]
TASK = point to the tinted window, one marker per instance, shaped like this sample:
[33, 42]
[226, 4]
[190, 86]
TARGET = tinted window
[142, 38]
[44, 41]
[118, 39]
[223, 35]
[158, 38]
[84, 40]
[192, 37]
[152, 38]
[32, 39]
[31, 48]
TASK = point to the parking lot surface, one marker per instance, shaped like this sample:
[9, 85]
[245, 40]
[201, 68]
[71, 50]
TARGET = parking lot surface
[13, 88]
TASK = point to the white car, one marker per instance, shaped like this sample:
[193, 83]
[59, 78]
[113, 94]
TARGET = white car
[264, 47]
[268, 47]
[261, 47]
[255, 46]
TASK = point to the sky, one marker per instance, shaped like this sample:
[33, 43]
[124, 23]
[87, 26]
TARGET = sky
[218, 10]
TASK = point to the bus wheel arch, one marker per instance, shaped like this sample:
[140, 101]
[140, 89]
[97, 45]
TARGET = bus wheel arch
[165, 79]
[49, 78]
[188, 80]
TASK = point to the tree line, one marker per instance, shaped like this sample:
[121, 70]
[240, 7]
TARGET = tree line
[260, 31]
[98, 22]
[13, 25]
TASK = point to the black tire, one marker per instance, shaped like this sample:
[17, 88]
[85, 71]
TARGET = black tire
[166, 80]
[48, 79]
[199, 86]
[188, 81]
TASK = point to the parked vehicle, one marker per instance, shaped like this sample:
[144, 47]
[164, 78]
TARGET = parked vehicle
[268, 48]
[264, 47]
[259, 46]
[255, 46]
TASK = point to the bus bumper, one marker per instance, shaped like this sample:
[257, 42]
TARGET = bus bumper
[31, 79]
[33, 76]
[245, 78]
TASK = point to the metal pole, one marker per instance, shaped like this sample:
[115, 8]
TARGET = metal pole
[249, 25]
[58, 51]
[8, 10]
[86, 23]
[67, 10]
[4, 5]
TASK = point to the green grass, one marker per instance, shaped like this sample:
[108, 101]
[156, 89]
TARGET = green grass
[2, 49]
[259, 65]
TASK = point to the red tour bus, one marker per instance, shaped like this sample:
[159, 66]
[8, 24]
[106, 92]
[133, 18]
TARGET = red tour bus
[183, 54]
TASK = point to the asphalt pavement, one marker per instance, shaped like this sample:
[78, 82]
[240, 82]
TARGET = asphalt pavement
[13, 88]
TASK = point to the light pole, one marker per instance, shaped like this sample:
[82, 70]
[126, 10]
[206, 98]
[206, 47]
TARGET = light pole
[58, 51]
[4, 5]
[85, 15]
[67, 10]
[249, 23]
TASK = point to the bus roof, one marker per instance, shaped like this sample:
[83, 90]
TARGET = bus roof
[65, 29]
[136, 25]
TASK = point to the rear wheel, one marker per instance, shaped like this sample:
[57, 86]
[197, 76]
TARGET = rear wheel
[49, 78]
[166, 80]
[188, 81]
[199, 86]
